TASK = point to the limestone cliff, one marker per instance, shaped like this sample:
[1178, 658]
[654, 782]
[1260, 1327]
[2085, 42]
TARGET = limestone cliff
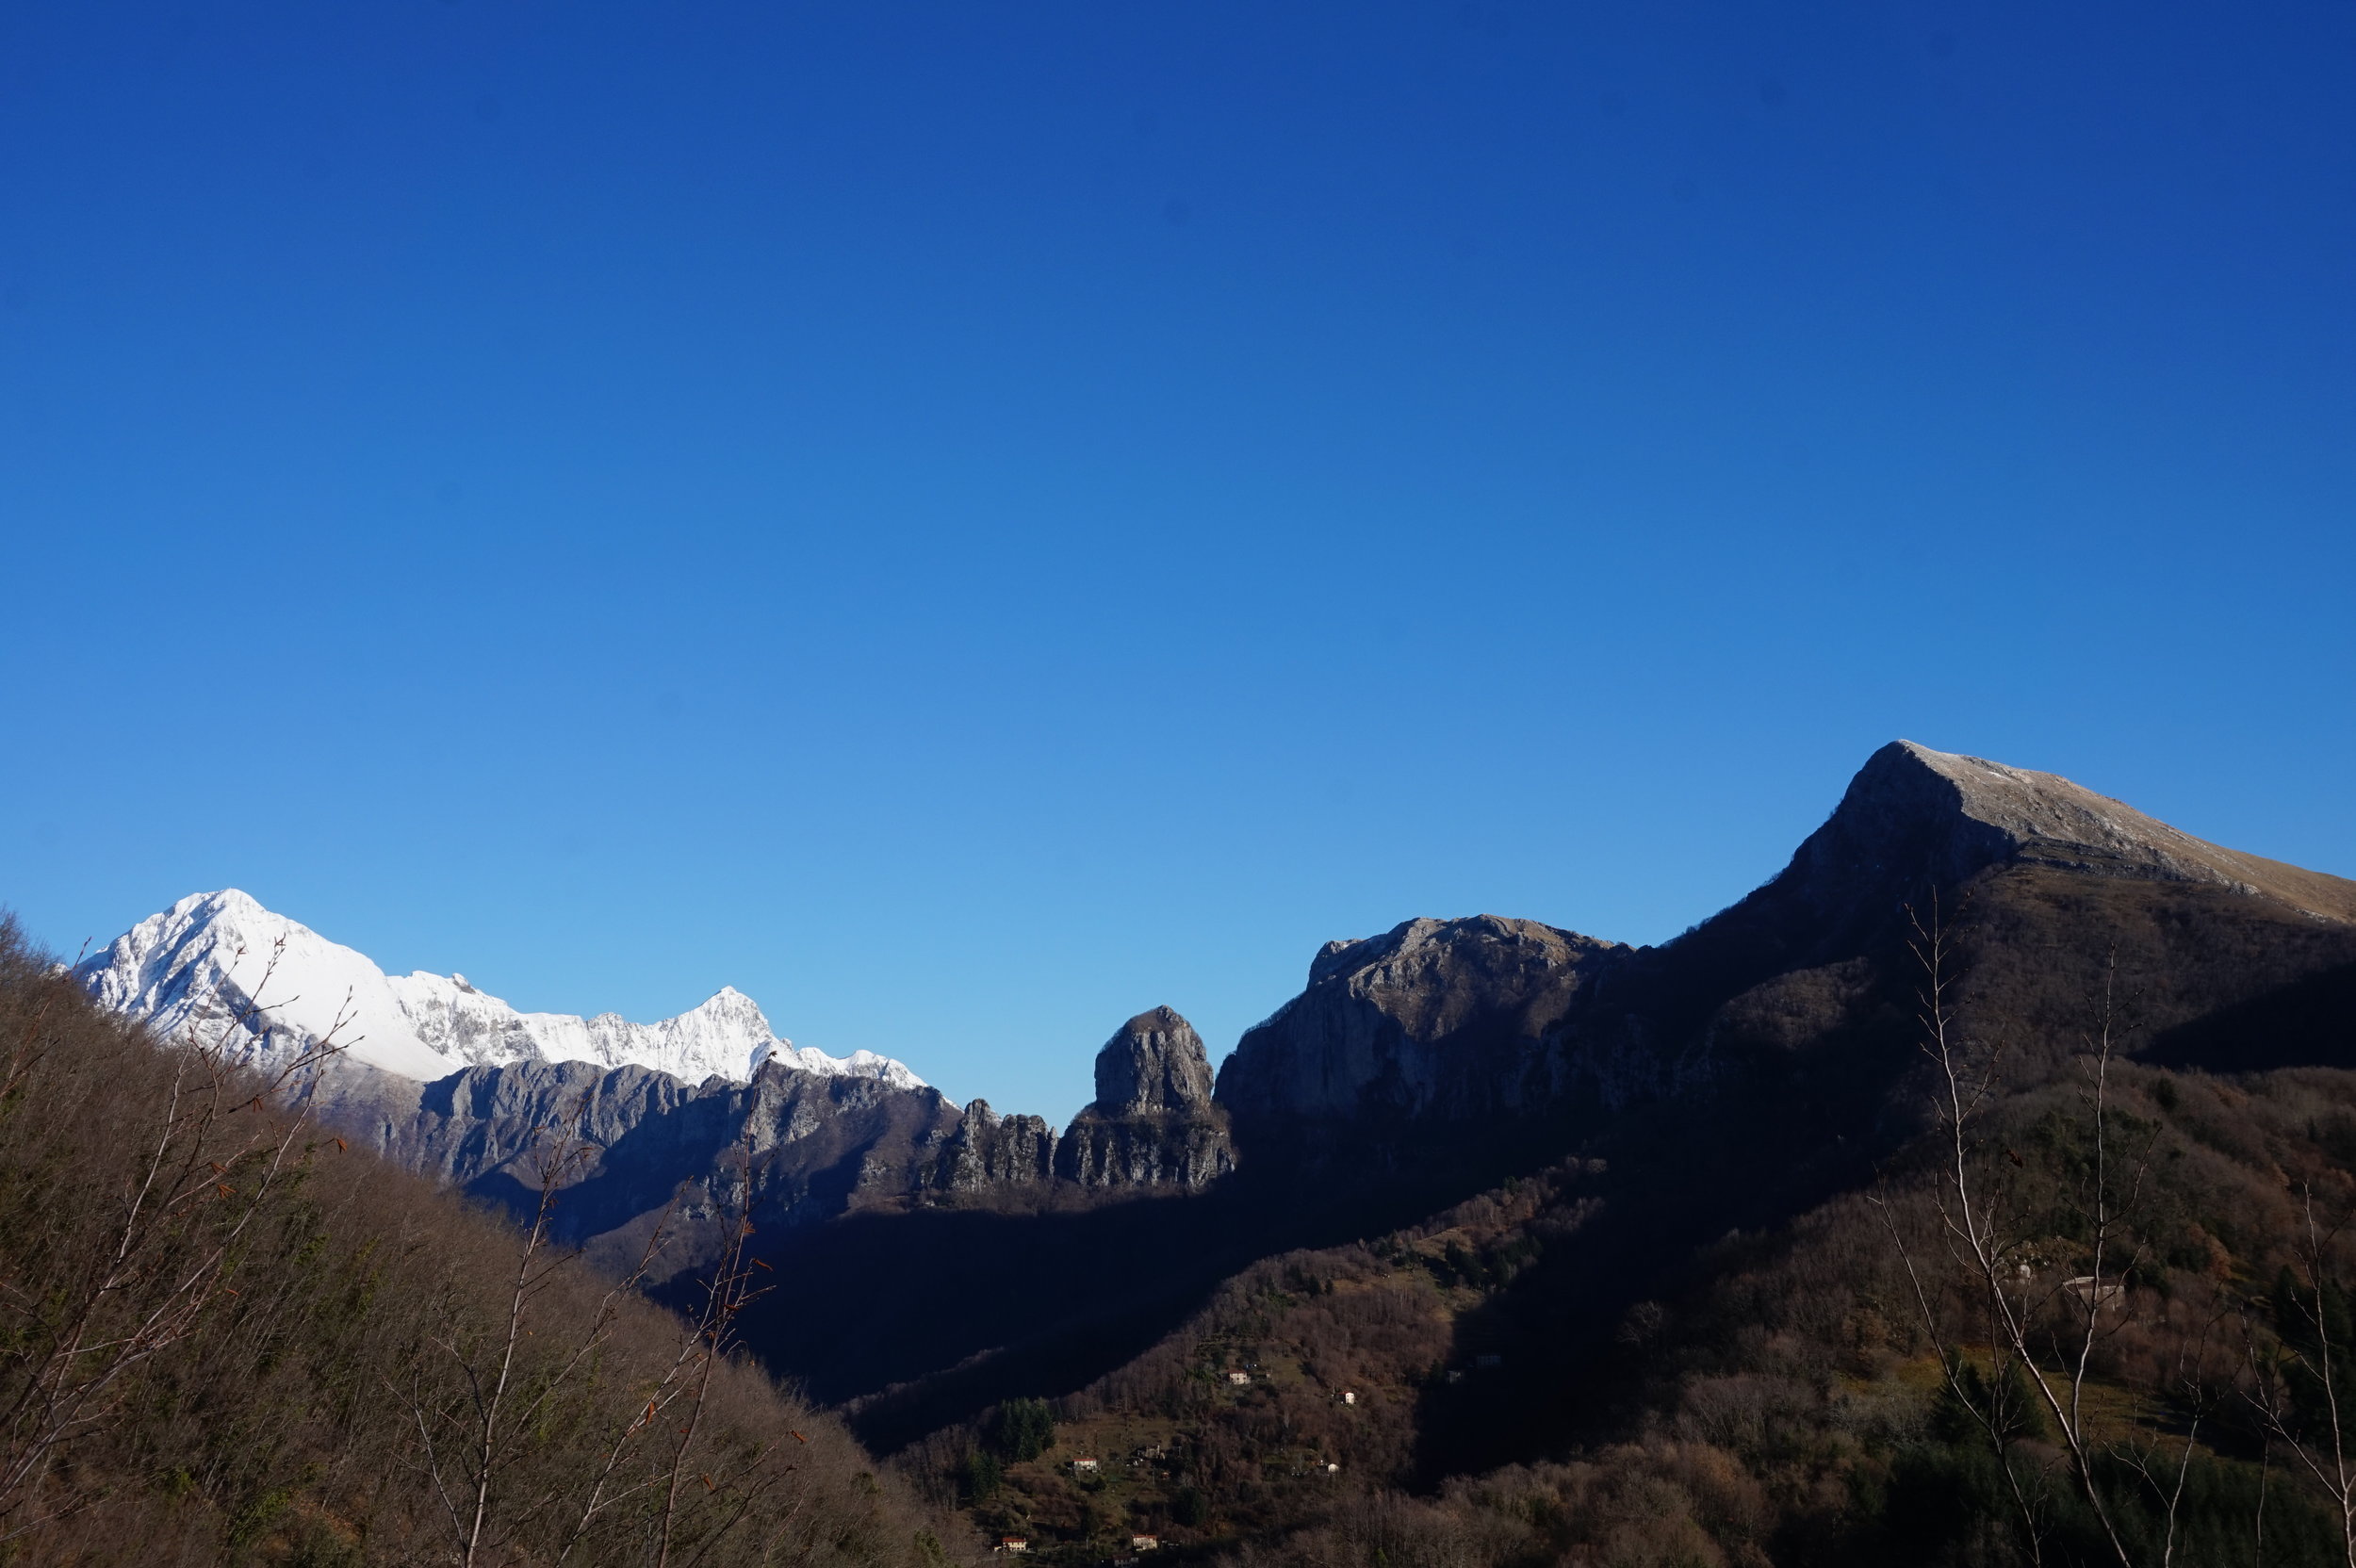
[1433, 1017]
[1153, 1122]
[811, 1146]
[987, 1150]
[1469, 1021]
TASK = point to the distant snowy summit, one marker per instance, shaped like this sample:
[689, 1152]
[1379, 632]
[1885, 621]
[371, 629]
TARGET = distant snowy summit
[217, 962]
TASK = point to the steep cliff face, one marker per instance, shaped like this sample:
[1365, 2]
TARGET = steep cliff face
[987, 1152]
[1152, 1124]
[1154, 1065]
[809, 1146]
[1432, 1018]
[1470, 1021]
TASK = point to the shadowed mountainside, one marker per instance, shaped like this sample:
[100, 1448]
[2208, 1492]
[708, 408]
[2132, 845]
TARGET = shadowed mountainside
[1549, 1129]
[1659, 1323]
[1733, 1078]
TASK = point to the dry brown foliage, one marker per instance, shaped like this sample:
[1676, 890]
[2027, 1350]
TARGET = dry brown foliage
[226, 1337]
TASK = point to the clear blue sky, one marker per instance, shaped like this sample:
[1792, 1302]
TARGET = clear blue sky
[968, 521]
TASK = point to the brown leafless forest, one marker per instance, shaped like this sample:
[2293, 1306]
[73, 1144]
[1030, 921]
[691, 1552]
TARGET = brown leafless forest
[225, 1336]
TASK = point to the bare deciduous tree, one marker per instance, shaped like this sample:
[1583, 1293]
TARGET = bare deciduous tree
[215, 1149]
[682, 1392]
[2020, 1305]
[2302, 1377]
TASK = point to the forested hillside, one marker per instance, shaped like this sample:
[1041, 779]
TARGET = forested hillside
[1975, 1191]
[1998, 1212]
[1834, 1390]
[226, 1336]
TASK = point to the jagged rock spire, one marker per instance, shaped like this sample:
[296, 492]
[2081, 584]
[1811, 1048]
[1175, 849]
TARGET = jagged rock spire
[1154, 1065]
[1152, 1124]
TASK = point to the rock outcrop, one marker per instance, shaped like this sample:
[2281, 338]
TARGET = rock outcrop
[989, 1151]
[809, 1146]
[1152, 1124]
[1154, 1065]
[1434, 1018]
[819, 1145]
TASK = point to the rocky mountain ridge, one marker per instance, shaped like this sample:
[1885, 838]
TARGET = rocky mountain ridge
[1485, 1018]
[787, 1147]
[1414, 1067]
[222, 966]
[1680, 1097]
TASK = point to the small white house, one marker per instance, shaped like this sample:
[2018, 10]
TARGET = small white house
[1240, 1378]
[1145, 1542]
[1084, 1467]
[1350, 1396]
[1014, 1542]
[2097, 1293]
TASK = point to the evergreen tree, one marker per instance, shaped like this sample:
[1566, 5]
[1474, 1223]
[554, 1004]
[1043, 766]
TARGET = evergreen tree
[1025, 1429]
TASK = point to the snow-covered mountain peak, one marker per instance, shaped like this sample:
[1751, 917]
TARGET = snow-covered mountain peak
[224, 966]
[220, 968]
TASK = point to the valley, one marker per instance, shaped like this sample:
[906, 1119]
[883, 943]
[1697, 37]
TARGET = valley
[1501, 1243]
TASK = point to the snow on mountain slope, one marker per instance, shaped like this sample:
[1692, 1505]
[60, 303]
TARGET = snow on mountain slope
[220, 968]
[200, 965]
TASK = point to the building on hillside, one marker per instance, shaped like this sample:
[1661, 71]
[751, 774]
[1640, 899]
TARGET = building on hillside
[1240, 1378]
[1350, 1396]
[1014, 1543]
[1085, 1466]
[1145, 1542]
[2097, 1293]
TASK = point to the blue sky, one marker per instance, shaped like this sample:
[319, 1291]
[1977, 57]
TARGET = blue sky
[969, 521]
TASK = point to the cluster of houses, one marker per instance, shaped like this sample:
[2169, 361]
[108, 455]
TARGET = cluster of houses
[1088, 1466]
[1349, 1395]
[1015, 1545]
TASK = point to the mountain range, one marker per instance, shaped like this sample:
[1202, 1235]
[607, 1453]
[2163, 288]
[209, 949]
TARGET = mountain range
[224, 966]
[1447, 1044]
[1507, 1141]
